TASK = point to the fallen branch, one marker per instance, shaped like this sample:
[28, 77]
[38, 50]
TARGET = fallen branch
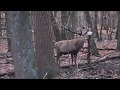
[102, 48]
[4, 37]
[103, 59]
[5, 55]
[8, 74]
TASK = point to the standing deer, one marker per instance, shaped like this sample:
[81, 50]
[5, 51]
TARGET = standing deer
[69, 47]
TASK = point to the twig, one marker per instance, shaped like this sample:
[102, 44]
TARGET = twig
[45, 75]
[9, 74]
[101, 48]
[106, 58]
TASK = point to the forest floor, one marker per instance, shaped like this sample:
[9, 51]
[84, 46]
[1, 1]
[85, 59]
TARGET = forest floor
[109, 69]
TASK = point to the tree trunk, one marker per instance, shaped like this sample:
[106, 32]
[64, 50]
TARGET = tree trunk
[64, 20]
[101, 25]
[22, 47]
[95, 26]
[44, 45]
[8, 39]
[116, 35]
[94, 50]
[118, 40]
[55, 27]
[0, 25]
[74, 22]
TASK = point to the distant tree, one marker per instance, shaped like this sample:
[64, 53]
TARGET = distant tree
[8, 32]
[64, 21]
[73, 23]
[101, 16]
[0, 24]
[118, 29]
[95, 25]
[55, 27]
[116, 35]
[94, 50]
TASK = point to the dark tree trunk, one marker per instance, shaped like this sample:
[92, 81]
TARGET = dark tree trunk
[118, 40]
[72, 23]
[22, 47]
[94, 50]
[0, 25]
[55, 27]
[8, 32]
[101, 26]
[44, 45]
[116, 35]
[64, 21]
[95, 26]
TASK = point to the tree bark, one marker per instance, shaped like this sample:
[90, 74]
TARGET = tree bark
[0, 25]
[72, 23]
[64, 20]
[101, 25]
[44, 45]
[118, 40]
[22, 47]
[8, 37]
[95, 26]
[94, 50]
[55, 27]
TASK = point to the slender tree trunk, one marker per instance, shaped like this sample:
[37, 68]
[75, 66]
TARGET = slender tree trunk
[118, 40]
[94, 50]
[22, 47]
[55, 27]
[8, 32]
[64, 20]
[116, 35]
[72, 23]
[101, 25]
[0, 25]
[95, 26]
[44, 45]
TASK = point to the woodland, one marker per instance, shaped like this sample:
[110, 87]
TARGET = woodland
[59, 44]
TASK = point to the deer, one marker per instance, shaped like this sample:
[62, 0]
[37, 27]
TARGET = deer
[71, 46]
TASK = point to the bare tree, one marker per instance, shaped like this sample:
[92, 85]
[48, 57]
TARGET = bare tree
[118, 40]
[8, 32]
[72, 23]
[55, 27]
[0, 24]
[64, 21]
[116, 35]
[101, 25]
[95, 26]
[44, 45]
[94, 50]
[22, 47]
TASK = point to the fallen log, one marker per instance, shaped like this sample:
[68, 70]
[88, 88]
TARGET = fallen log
[8, 74]
[101, 48]
[102, 59]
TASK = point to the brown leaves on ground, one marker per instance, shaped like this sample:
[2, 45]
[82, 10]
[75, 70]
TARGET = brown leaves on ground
[6, 63]
[104, 70]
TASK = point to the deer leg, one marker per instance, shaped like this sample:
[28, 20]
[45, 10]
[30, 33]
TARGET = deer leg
[75, 57]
